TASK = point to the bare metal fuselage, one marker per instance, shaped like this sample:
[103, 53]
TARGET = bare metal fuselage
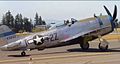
[66, 34]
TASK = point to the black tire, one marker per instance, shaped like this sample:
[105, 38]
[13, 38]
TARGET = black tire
[103, 48]
[23, 53]
[84, 46]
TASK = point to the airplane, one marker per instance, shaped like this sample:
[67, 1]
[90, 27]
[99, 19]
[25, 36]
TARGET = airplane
[69, 33]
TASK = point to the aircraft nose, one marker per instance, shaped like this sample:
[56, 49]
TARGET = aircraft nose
[3, 48]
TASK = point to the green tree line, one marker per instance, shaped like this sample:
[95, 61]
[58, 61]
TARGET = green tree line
[20, 23]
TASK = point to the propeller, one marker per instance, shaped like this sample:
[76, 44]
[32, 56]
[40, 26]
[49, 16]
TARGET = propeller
[107, 11]
[114, 20]
[114, 14]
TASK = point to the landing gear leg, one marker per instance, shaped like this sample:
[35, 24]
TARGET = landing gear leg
[85, 45]
[23, 53]
[103, 45]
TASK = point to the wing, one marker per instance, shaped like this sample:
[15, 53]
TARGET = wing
[77, 35]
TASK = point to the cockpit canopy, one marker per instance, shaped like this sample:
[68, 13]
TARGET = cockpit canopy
[57, 26]
[62, 24]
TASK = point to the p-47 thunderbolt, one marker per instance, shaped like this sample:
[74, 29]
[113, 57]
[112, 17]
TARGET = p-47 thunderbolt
[71, 32]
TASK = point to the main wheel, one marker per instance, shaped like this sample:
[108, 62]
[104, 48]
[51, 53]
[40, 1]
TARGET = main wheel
[103, 47]
[84, 46]
[23, 53]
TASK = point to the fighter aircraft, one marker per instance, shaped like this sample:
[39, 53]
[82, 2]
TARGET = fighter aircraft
[71, 32]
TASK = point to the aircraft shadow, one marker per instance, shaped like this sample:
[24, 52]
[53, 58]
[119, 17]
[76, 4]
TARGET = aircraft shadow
[18, 56]
[93, 50]
[71, 50]
[38, 54]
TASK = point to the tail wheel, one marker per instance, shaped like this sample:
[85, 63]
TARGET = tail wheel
[23, 53]
[103, 47]
[84, 46]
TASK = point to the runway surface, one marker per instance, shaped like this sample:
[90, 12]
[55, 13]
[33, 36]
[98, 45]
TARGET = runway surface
[65, 55]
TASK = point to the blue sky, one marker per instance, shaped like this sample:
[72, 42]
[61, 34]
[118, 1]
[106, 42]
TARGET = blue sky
[58, 10]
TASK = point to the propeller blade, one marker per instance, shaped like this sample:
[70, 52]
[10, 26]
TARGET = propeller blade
[115, 13]
[107, 11]
[116, 20]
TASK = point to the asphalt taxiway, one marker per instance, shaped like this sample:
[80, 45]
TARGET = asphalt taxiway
[66, 55]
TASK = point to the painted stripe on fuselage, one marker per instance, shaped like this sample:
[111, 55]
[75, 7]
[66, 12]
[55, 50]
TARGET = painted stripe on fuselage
[7, 34]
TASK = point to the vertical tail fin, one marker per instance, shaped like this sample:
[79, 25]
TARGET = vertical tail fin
[6, 34]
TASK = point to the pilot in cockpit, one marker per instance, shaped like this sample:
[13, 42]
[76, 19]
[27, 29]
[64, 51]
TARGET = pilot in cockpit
[66, 22]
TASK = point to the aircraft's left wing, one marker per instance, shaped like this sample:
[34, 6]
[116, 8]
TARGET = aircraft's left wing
[77, 35]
